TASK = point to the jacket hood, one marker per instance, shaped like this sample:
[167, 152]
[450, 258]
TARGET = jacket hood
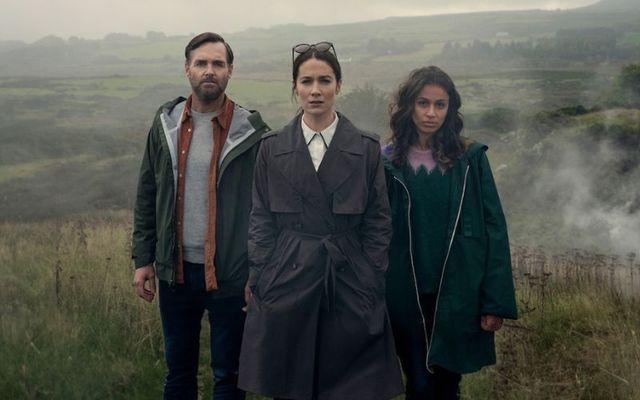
[172, 110]
[243, 120]
[245, 129]
[243, 124]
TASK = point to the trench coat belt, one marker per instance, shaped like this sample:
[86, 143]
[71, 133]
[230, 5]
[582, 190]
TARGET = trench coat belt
[335, 257]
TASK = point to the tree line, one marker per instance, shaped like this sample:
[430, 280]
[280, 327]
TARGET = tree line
[572, 46]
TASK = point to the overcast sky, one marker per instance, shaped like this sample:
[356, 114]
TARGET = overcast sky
[30, 20]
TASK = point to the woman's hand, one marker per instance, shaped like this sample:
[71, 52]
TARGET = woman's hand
[248, 295]
[490, 323]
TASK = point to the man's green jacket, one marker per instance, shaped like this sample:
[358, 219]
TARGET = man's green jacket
[154, 230]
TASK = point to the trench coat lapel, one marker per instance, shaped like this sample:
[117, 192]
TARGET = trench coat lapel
[294, 162]
[342, 158]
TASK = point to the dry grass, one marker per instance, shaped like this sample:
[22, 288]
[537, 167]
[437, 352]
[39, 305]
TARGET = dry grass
[72, 328]
[578, 332]
[70, 325]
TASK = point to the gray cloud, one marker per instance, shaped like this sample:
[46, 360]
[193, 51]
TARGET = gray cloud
[30, 20]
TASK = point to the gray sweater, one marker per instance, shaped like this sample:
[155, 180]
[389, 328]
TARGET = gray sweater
[196, 186]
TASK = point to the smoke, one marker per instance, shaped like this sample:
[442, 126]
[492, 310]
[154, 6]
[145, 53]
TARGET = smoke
[598, 205]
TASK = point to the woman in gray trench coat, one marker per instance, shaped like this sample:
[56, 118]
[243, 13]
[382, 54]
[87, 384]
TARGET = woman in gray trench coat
[317, 326]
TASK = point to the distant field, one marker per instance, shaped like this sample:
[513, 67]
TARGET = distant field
[530, 90]
[25, 170]
[173, 48]
[272, 92]
[631, 39]
[269, 91]
[118, 86]
[420, 57]
[127, 87]
[113, 86]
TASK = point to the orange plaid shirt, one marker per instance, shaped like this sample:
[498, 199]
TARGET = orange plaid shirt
[221, 125]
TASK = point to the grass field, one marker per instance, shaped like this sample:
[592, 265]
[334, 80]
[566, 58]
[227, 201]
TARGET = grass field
[72, 328]
[117, 86]
[23, 170]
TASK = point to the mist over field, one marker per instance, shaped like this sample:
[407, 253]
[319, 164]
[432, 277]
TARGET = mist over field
[96, 18]
[544, 89]
[574, 183]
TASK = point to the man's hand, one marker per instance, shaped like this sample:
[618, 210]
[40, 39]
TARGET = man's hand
[490, 323]
[247, 298]
[143, 276]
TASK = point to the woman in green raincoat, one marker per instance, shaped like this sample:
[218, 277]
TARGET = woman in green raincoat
[449, 282]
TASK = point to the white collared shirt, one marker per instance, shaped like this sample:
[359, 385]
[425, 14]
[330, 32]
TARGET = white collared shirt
[314, 140]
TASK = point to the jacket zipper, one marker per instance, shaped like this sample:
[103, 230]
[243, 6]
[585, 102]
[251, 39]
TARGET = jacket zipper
[444, 265]
[413, 268]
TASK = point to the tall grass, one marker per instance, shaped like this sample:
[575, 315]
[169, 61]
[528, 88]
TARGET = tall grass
[578, 336]
[71, 326]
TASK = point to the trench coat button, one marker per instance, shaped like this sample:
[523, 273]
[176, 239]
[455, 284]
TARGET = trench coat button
[294, 266]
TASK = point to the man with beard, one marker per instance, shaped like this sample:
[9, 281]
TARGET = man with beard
[191, 220]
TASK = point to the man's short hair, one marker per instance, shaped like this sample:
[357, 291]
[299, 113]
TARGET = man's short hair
[207, 37]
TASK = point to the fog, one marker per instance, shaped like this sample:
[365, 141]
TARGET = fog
[29, 20]
[577, 188]
[77, 111]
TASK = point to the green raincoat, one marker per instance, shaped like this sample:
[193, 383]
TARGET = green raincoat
[477, 278]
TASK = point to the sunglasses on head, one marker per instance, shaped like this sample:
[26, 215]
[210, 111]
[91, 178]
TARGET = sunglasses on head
[304, 47]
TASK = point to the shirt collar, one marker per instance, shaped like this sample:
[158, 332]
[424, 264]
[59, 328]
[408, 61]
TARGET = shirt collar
[224, 116]
[327, 133]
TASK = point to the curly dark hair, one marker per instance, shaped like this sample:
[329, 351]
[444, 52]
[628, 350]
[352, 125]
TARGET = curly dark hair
[446, 143]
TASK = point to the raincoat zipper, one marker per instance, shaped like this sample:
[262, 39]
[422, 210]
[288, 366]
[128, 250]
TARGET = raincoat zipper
[413, 269]
[444, 265]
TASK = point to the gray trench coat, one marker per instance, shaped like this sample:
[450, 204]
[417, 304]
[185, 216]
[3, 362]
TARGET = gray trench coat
[317, 326]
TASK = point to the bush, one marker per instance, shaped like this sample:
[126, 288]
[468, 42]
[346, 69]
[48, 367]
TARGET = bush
[499, 120]
[367, 108]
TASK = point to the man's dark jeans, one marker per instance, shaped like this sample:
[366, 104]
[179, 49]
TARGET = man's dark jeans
[181, 309]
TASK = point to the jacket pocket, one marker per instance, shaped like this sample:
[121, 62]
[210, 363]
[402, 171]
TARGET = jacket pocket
[278, 275]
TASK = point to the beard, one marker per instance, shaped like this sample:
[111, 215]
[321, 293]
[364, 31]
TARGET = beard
[211, 93]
